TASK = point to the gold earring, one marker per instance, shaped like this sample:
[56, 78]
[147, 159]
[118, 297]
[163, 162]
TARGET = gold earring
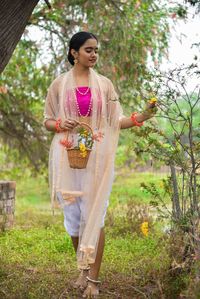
[75, 61]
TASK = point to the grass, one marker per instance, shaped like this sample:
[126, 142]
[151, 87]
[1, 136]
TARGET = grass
[37, 258]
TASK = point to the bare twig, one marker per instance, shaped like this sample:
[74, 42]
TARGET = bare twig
[175, 198]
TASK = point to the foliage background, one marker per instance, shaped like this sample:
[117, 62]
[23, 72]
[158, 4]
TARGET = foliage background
[130, 34]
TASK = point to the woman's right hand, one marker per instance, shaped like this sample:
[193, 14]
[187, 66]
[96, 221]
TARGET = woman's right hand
[68, 124]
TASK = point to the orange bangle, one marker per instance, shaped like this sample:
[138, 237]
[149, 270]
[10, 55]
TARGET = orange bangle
[57, 125]
[135, 122]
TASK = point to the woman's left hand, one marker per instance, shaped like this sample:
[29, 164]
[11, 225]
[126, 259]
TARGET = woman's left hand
[151, 108]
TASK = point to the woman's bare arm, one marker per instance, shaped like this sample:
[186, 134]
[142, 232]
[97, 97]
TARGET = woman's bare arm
[148, 113]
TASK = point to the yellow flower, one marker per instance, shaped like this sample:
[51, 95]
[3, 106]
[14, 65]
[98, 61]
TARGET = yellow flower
[82, 147]
[152, 100]
[83, 154]
[86, 132]
[83, 150]
[145, 228]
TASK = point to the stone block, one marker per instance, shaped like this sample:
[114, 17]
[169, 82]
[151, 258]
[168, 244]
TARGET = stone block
[11, 194]
[5, 195]
[7, 204]
[8, 210]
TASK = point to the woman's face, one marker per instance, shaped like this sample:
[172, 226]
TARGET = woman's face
[88, 53]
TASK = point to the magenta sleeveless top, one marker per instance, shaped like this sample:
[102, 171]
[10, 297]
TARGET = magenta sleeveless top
[83, 101]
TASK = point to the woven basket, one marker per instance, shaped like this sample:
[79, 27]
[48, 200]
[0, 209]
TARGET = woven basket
[75, 158]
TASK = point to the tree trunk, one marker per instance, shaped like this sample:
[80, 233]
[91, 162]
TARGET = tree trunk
[175, 197]
[14, 15]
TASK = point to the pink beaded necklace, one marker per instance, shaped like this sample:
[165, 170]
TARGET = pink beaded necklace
[89, 107]
[82, 93]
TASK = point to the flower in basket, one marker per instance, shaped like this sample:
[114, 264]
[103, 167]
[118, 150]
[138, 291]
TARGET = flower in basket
[83, 150]
[66, 143]
[98, 136]
[84, 142]
[85, 139]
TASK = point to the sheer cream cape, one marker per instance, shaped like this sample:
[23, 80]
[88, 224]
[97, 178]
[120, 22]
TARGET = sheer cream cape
[106, 115]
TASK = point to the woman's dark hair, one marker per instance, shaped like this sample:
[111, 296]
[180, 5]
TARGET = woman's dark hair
[77, 41]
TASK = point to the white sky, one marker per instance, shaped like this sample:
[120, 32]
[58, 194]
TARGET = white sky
[181, 49]
[183, 35]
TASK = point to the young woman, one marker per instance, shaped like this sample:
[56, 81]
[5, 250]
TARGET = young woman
[83, 95]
